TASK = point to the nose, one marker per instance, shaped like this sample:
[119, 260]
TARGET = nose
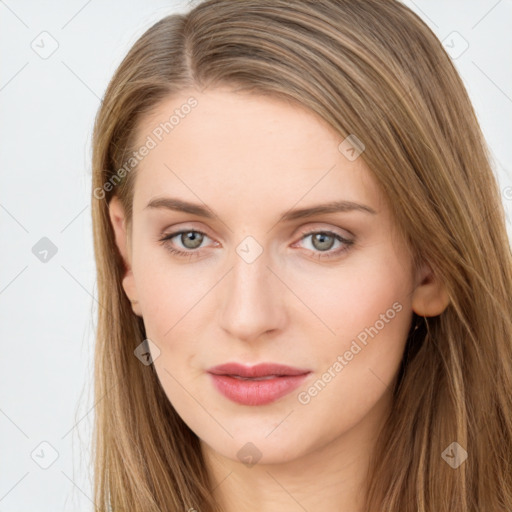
[253, 299]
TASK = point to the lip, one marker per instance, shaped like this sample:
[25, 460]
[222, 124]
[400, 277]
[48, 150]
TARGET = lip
[237, 381]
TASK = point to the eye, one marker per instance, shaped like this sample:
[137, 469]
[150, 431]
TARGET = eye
[190, 240]
[323, 241]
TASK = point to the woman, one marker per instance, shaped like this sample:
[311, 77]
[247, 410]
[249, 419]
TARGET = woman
[303, 268]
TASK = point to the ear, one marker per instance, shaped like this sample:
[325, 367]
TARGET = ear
[118, 220]
[430, 297]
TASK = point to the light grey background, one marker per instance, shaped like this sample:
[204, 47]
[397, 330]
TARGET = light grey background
[48, 104]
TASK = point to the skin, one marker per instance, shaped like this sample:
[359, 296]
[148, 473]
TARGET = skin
[249, 159]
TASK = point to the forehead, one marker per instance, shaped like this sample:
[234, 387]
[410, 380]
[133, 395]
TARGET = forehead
[242, 147]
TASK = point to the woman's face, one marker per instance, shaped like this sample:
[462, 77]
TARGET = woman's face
[265, 278]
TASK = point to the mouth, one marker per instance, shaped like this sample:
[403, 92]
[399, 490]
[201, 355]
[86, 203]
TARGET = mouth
[267, 377]
[256, 385]
[261, 370]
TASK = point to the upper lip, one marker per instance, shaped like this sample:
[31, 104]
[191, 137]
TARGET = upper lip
[259, 370]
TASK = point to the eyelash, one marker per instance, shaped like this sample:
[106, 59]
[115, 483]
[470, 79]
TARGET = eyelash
[321, 255]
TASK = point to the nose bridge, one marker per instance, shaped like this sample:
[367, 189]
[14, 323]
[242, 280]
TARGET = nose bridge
[253, 302]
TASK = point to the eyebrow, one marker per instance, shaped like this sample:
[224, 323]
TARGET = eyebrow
[179, 205]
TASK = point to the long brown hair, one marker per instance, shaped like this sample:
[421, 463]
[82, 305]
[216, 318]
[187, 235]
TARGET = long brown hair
[370, 68]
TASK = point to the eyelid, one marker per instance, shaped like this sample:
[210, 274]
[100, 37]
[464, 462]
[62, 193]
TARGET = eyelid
[321, 228]
[183, 227]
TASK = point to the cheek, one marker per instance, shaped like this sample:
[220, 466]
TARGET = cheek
[367, 304]
[370, 313]
[370, 290]
[168, 291]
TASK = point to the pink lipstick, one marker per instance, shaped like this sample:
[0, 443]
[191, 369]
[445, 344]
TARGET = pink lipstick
[256, 385]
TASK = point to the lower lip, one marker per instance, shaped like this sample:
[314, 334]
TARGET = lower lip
[256, 392]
